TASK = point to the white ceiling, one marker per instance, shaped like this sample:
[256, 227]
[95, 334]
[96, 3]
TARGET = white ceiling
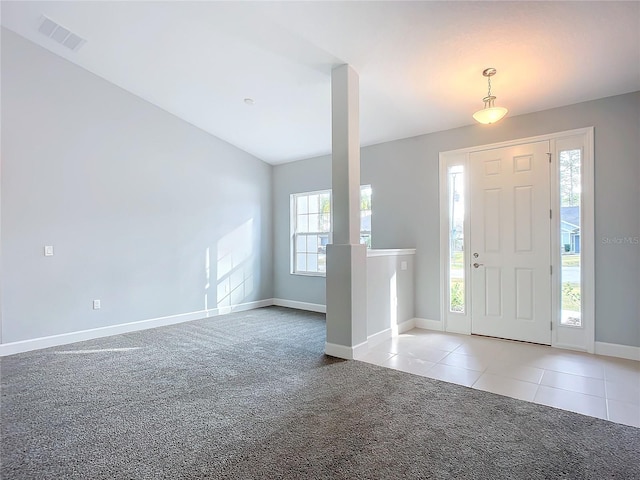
[419, 63]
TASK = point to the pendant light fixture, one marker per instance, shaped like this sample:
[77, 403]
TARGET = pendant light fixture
[490, 113]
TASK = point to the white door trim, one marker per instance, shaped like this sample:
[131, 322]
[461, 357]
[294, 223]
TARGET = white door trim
[461, 322]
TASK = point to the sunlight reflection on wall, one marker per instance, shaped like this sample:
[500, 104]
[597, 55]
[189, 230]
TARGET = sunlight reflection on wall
[393, 301]
[235, 280]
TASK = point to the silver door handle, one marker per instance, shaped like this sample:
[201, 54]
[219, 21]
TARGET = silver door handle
[476, 265]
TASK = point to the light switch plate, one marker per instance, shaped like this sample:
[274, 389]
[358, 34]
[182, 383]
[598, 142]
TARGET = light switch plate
[403, 265]
[48, 250]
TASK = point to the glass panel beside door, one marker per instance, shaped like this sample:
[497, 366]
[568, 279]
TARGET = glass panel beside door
[456, 239]
[570, 251]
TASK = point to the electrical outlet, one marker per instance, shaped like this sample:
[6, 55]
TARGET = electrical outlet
[403, 265]
[96, 304]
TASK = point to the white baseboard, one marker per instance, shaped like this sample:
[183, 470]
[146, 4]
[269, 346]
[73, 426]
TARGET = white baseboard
[428, 324]
[342, 351]
[404, 326]
[378, 338]
[241, 307]
[620, 351]
[72, 337]
[312, 307]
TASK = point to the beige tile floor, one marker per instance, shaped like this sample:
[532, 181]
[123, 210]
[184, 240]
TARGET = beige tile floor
[594, 385]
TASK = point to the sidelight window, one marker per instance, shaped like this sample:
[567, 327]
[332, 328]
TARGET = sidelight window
[570, 236]
[456, 240]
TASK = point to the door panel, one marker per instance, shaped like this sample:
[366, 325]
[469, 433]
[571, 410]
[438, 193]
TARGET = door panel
[491, 216]
[493, 291]
[510, 242]
[523, 215]
[524, 293]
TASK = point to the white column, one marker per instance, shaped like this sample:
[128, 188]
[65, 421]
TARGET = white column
[346, 258]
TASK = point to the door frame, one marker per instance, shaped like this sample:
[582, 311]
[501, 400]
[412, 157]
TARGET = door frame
[574, 338]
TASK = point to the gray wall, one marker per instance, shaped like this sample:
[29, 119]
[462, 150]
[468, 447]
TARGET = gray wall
[404, 178]
[131, 198]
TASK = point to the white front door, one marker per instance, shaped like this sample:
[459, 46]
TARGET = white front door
[510, 251]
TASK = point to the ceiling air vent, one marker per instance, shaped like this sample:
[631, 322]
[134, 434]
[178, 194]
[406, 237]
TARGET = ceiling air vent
[60, 34]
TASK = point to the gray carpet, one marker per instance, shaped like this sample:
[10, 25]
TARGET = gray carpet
[251, 395]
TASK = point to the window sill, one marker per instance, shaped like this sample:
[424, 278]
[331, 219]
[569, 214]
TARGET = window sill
[309, 274]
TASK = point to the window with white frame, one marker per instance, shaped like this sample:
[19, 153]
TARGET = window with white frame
[311, 229]
[311, 219]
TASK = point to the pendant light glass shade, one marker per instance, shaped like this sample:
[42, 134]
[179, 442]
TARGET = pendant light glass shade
[490, 113]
